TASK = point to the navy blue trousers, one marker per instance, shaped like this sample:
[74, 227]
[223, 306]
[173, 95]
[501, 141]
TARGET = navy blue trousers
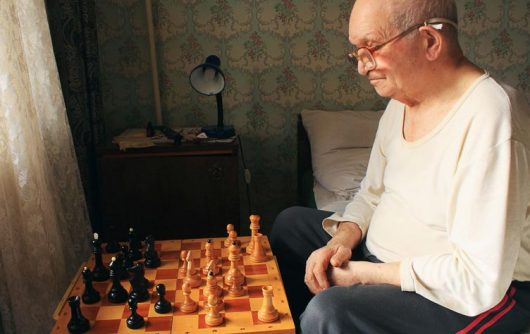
[377, 309]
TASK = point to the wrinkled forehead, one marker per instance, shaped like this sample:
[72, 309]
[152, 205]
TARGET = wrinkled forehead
[369, 21]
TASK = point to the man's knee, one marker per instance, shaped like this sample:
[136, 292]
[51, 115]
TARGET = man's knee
[285, 223]
[322, 314]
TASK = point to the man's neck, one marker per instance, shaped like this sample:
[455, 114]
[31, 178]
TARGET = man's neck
[447, 83]
[441, 93]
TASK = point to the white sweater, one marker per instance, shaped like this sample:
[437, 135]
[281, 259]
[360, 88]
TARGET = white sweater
[452, 207]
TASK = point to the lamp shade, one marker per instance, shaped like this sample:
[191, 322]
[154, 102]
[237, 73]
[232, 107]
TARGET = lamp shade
[208, 79]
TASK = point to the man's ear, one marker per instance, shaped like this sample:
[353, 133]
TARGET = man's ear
[432, 42]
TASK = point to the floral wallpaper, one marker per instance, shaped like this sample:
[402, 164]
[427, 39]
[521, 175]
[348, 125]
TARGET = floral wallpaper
[279, 57]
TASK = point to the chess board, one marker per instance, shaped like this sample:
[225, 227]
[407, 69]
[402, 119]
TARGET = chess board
[240, 313]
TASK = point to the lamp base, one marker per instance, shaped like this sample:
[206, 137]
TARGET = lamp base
[226, 131]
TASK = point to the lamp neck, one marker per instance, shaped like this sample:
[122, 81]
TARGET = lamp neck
[220, 123]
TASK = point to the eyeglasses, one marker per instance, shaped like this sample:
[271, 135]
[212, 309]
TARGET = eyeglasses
[365, 54]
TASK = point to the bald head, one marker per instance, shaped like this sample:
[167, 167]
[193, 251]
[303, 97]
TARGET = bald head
[405, 13]
[394, 16]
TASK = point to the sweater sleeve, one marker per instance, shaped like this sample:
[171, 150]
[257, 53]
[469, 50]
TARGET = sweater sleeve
[487, 211]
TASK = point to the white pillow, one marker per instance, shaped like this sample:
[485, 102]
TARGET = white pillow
[340, 147]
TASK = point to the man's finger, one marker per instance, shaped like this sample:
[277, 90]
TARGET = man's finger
[338, 259]
[321, 277]
[309, 279]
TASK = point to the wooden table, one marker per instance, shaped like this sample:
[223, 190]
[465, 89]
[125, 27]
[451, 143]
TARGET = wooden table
[240, 313]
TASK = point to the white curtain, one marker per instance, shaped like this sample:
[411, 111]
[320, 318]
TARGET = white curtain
[44, 226]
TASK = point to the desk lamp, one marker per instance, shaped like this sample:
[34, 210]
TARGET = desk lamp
[208, 79]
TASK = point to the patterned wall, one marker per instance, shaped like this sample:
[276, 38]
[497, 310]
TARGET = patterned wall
[279, 56]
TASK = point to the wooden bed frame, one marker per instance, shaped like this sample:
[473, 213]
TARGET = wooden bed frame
[304, 167]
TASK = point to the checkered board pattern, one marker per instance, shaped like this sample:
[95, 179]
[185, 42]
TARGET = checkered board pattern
[240, 313]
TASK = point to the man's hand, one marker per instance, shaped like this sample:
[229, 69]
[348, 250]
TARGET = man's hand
[317, 265]
[337, 252]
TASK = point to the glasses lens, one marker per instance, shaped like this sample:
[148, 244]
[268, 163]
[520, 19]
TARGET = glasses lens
[366, 58]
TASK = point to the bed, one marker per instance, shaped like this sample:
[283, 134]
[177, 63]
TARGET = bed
[333, 152]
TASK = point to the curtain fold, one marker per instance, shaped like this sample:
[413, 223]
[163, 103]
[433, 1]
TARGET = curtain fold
[74, 37]
[44, 225]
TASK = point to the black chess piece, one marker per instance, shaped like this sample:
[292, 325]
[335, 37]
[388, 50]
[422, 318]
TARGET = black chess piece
[162, 305]
[128, 262]
[120, 267]
[90, 295]
[134, 245]
[152, 260]
[117, 293]
[78, 323]
[100, 273]
[134, 321]
[139, 283]
[112, 246]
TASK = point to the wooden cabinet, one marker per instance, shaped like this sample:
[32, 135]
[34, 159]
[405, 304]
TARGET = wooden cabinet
[172, 192]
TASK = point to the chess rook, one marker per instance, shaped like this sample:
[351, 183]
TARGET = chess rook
[267, 312]
[258, 254]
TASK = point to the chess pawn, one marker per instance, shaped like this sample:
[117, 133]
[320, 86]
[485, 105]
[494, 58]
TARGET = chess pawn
[211, 286]
[99, 273]
[90, 295]
[254, 228]
[213, 317]
[117, 293]
[78, 323]
[267, 312]
[258, 253]
[134, 321]
[162, 305]
[228, 242]
[188, 305]
[183, 263]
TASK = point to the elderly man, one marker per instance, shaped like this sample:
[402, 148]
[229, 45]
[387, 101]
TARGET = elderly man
[438, 238]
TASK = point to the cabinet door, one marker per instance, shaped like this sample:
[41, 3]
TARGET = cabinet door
[171, 197]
